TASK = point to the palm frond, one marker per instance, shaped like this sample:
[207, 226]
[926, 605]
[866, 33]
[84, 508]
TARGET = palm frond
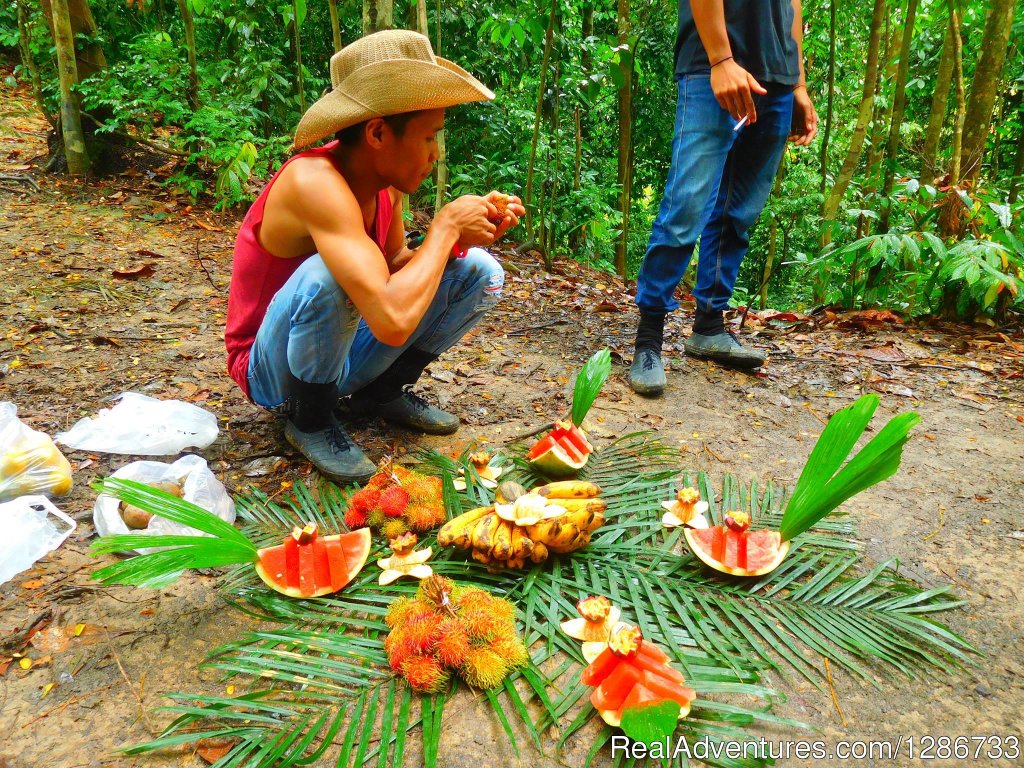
[823, 486]
[589, 380]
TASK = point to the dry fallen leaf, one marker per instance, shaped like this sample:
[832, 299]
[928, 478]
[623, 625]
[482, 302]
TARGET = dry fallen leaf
[146, 270]
[212, 750]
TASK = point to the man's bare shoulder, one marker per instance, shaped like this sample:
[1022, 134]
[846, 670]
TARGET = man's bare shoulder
[314, 175]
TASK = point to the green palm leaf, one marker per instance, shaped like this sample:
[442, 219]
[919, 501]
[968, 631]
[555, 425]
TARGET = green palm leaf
[823, 486]
[589, 381]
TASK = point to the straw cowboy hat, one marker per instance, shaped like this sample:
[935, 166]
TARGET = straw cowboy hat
[386, 73]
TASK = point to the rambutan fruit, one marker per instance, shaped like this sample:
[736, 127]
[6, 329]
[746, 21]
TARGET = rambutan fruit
[376, 518]
[394, 501]
[355, 518]
[422, 518]
[468, 597]
[392, 529]
[484, 668]
[424, 490]
[434, 589]
[424, 673]
[423, 633]
[399, 611]
[512, 650]
[453, 644]
[480, 623]
[379, 481]
[398, 653]
[365, 500]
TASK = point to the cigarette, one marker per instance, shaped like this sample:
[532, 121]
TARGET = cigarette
[740, 124]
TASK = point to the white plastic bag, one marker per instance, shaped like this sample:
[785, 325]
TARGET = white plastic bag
[29, 461]
[29, 533]
[199, 484]
[143, 426]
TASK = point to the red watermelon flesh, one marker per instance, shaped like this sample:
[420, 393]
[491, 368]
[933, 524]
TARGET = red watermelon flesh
[613, 691]
[320, 566]
[567, 432]
[600, 668]
[740, 553]
[542, 446]
[645, 664]
[667, 689]
[653, 652]
[638, 696]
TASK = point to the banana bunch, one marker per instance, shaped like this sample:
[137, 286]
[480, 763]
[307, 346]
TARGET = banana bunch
[497, 536]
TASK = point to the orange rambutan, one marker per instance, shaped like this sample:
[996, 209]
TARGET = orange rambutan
[423, 632]
[484, 668]
[480, 623]
[424, 489]
[422, 518]
[425, 673]
[379, 481]
[394, 501]
[399, 611]
[355, 518]
[512, 650]
[453, 644]
[394, 528]
[468, 597]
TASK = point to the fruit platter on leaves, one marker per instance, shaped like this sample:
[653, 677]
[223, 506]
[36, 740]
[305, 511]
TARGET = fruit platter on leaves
[580, 579]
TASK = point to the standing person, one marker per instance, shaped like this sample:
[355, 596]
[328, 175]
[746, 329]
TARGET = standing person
[736, 60]
[326, 299]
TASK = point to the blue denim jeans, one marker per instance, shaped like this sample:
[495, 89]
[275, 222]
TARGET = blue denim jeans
[718, 182]
[314, 331]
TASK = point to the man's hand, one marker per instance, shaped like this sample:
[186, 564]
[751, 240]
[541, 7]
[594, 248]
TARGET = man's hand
[733, 87]
[805, 118]
[469, 215]
[513, 209]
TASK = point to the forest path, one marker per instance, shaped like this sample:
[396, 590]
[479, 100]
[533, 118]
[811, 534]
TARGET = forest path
[74, 334]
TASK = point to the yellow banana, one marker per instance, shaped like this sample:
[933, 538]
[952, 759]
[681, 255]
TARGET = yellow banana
[483, 532]
[579, 542]
[456, 532]
[569, 489]
[522, 545]
[539, 553]
[581, 518]
[516, 562]
[502, 541]
[482, 557]
[596, 523]
[553, 532]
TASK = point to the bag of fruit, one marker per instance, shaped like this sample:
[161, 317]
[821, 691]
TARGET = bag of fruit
[30, 463]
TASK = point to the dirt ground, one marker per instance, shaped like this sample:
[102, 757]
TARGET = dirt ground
[73, 335]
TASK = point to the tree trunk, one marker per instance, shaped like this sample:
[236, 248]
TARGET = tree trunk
[899, 103]
[867, 103]
[961, 97]
[190, 46]
[332, 6]
[442, 156]
[528, 195]
[978, 119]
[377, 15]
[829, 109]
[25, 47]
[300, 79]
[70, 112]
[940, 100]
[883, 111]
[89, 57]
[773, 233]
[625, 170]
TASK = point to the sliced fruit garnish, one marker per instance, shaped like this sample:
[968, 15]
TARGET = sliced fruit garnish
[408, 562]
[625, 641]
[596, 623]
[737, 521]
[305, 533]
[486, 469]
[404, 544]
[685, 509]
[529, 509]
[594, 608]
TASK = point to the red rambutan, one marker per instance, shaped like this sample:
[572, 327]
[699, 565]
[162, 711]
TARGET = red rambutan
[400, 611]
[422, 518]
[394, 501]
[355, 518]
[424, 673]
[379, 481]
[423, 632]
[365, 500]
[453, 644]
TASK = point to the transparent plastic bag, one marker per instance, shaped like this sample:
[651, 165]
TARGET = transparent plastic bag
[198, 485]
[29, 533]
[143, 426]
[30, 463]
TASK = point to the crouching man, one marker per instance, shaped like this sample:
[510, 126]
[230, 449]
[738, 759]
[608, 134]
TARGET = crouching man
[326, 299]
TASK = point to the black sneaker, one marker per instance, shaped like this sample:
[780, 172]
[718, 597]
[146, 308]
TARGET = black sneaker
[332, 452]
[647, 374]
[724, 348]
[408, 410]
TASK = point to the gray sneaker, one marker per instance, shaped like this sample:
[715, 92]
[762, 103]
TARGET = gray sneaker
[410, 410]
[723, 348]
[332, 452]
[647, 374]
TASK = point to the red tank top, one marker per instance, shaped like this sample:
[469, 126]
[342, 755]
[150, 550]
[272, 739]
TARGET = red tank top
[256, 274]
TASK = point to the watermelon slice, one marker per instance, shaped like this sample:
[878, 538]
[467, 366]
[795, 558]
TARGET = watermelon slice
[616, 687]
[739, 553]
[556, 457]
[600, 668]
[317, 566]
[567, 432]
[667, 689]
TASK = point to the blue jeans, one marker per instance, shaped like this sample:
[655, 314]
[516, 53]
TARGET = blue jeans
[313, 331]
[718, 182]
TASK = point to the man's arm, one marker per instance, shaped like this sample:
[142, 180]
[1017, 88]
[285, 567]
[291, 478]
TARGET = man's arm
[805, 117]
[391, 304]
[731, 83]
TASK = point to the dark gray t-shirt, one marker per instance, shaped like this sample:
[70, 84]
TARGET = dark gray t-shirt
[761, 35]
